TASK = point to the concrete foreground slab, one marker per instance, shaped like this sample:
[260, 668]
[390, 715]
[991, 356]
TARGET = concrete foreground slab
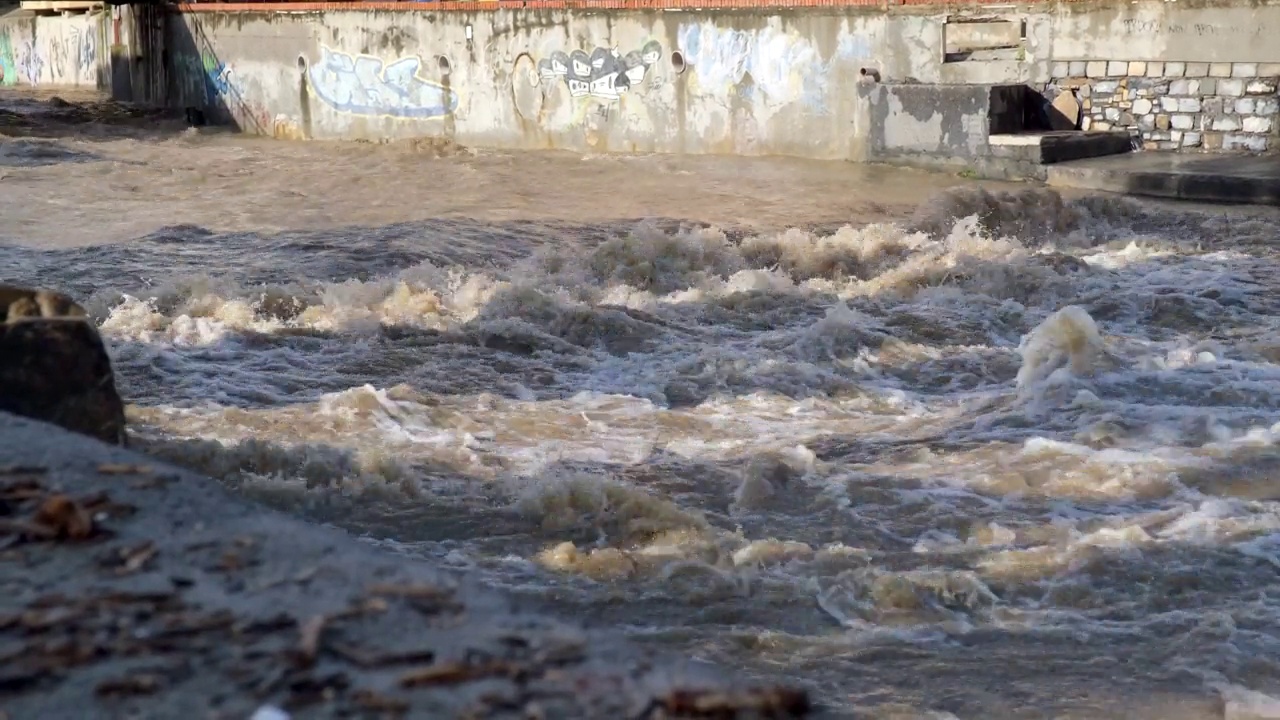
[1251, 179]
[133, 589]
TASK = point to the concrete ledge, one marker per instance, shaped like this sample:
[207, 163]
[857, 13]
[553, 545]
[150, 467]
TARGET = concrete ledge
[56, 7]
[187, 601]
[1236, 179]
[1061, 146]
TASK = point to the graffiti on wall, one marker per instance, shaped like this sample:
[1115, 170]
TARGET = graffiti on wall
[363, 85]
[214, 85]
[73, 55]
[30, 63]
[604, 74]
[781, 67]
[8, 63]
[59, 53]
[206, 78]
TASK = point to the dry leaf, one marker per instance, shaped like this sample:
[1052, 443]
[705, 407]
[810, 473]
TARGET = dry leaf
[456, 672]
[64, 517]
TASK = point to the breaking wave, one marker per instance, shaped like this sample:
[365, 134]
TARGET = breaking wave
[1008, 413]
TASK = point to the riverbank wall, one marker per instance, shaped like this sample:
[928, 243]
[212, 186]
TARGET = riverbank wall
[830, 79]
[59, 51]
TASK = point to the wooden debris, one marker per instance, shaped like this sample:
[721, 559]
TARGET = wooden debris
[153, 482]
[132, 559]
[129, 685]
[311, 631]
[367, 659]
[427, 592]
[230, 562]
[22, 470]
[264, 625]
[775, 703]
[18, 679]
[371, 701]
[195, 623]
[307, 690]
[309, 644]
[38, 620]
[124, 469]
[100, 506]
[367, 606]
[58, 516]
[21, 490]
[430, 600]
[454, 672]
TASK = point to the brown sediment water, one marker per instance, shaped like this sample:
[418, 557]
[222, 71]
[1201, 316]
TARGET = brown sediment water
[933, 448]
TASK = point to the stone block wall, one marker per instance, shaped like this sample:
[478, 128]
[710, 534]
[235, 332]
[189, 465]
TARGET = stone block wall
[1178, 105]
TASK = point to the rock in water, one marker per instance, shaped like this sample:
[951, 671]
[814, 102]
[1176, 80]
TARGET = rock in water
[56, 369]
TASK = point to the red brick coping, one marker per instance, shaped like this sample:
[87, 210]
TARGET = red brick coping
[483, 5]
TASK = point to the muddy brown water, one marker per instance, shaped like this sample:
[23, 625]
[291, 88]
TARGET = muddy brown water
[929, 447]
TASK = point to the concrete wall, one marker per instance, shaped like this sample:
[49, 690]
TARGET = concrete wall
[759, 81]
[58, 51]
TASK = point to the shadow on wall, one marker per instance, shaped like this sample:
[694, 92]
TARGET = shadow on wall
[194, 78]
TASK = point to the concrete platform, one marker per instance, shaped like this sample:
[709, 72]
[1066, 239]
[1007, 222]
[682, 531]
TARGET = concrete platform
[1047, 148]
[1243, 179]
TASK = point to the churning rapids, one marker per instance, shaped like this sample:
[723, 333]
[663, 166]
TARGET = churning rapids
[931, 449]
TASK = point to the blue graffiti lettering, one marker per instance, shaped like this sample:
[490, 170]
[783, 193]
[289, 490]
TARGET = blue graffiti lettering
[361, 85]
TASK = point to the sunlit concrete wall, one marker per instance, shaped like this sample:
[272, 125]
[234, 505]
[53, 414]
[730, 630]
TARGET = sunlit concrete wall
[743, 81]
[56, 51]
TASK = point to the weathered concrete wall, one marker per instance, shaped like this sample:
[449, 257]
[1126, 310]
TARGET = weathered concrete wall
[60, 51]
[775, 81]
[641, 81]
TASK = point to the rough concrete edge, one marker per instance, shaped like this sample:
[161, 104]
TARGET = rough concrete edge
[1169, 185]
[176, 515]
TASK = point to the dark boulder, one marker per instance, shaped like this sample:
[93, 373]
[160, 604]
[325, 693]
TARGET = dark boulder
[55, 368]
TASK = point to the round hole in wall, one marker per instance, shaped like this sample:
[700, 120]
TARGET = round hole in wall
[302, 63]
[677, 62]
[443, 62]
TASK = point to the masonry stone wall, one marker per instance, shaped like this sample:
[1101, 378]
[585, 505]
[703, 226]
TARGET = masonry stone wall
[1211, 106]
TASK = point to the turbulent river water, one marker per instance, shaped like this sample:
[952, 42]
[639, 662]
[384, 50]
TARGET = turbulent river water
[929, 448]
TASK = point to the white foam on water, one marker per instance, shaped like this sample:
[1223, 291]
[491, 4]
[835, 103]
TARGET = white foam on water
[1011, 413]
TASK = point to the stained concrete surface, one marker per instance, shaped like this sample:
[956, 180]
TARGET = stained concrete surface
[196, 603]
[1245, 179]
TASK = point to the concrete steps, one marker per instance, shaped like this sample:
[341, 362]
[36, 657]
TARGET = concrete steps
[1055, 146]
[1236, 178]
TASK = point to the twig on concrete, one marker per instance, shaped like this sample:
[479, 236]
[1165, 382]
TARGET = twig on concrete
[774, 703]
[128, 685]
[454, 672]
[124, 469]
